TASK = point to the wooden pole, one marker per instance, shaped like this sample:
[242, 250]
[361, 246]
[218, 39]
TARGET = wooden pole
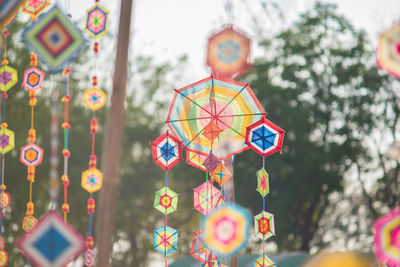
[112, 143]
[230, 191]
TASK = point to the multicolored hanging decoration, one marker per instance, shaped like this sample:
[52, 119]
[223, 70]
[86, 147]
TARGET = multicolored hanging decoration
[264, 225]
[167, 152]
[264, 261]
[228, 53]
[31, 155]
[94, 98]
[206, 197]
[55, 39]
[96, 20]
[8, 10]
[35, 7]
[210, 117]
[387, 238]
[265, 138]
[388, 51]
[221, 174]
[8, 78]
[226, 230]
[199, 109]
[196, 159]
[198, 249]
[166, 240]
[166, 200]
[54, 243]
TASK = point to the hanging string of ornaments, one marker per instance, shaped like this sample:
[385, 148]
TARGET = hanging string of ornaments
[8, 78]
[167, 152]
[94, 98]
[57, 53]
[31, 154]
[265, 138]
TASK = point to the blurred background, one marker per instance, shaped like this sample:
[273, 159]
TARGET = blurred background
[314, 71]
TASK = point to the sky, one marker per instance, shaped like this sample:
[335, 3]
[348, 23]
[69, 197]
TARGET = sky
[167, 29]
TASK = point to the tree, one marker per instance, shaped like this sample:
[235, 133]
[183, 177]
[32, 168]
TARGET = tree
[317, 81]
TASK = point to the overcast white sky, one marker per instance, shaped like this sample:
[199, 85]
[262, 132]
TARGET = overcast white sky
[166, 29]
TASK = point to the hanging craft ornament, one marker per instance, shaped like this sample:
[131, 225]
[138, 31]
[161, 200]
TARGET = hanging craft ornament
[228, 53]
[198, 249]
[8, 77]
[29, 223]
[35, 7]
[166, 200]
[206, 197]
[4, 200]
[166, 240]
[31, 155]
[226, 230]
[6, 140]
[3, 257]
[96, 21]
[196, 159]
[94, 98]
[387, 238]
[263, 182]
[230, 105]
[54, 243]
[56, 40]
[388, 51]
[211, 163]
[264, 261]
[166, 151]
[33, 79]
[264, 225]
[221, 174]
[264, 137]
[92, 180]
